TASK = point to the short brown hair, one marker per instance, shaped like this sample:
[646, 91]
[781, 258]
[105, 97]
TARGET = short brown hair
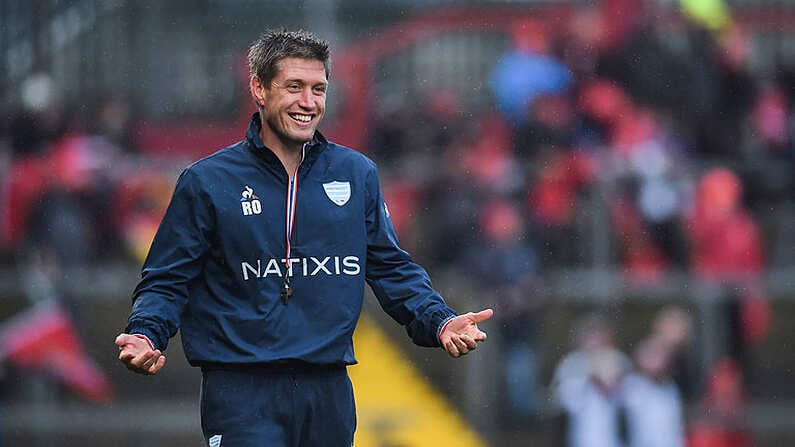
[274, 45]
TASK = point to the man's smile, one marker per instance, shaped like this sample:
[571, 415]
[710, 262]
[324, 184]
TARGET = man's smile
[301, 117]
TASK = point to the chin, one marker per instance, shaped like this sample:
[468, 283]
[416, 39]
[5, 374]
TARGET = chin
[302, 137]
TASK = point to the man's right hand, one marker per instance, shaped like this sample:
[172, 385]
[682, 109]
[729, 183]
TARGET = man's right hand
[137, 354]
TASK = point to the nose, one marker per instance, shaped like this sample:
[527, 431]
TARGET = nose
[306, 100]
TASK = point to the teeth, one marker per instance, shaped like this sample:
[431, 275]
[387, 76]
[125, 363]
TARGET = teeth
[302, 118]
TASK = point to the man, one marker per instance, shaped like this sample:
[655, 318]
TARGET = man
[261, 261]
[651, 399]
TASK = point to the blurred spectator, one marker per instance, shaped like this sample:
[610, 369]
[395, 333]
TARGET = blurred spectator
[113, 121]
[769, 119]
[653, 403]
[67, 211]
[647, 176]
[488, 159]
[551, 124]
[721, 420]
[22, 187]
[41, 116]
[642, 261]
[586, 34]
[528, 70]
[620, 19]
[553, 200]
[505, 266]
[27, 133]
[673, 327]
[587, 384]
[727, 253]
[723, 131]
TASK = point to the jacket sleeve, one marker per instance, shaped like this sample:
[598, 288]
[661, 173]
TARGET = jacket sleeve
[402, 287]
[174, 260]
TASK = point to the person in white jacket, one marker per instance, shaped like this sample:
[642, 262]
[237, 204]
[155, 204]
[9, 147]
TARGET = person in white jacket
[652, 400]
[587, 384]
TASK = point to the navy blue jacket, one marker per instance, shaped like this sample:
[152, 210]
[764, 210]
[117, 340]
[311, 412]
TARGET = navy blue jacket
[216, 265]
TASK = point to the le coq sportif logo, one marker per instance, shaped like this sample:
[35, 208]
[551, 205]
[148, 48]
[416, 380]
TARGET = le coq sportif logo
[250, 202]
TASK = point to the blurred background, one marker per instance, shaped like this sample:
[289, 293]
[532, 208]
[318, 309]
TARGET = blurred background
[614, 178]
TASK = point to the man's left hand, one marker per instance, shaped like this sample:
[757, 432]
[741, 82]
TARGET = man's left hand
[461, 334]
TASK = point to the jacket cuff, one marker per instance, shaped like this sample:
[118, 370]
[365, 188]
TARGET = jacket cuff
[442, 326]
[147, 334]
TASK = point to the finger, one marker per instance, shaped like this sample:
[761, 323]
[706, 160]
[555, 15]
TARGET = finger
[469, 342]
[123, 340]
[480, 336]
[128, 353]
[155, 357]
[161, 361]
[451, 349]
[126, 356]
[460, 344]
[137, 363]
[149, 362]
[144, 360]
[483, 315]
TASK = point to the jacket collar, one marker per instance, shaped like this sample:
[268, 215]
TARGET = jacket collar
[316, 145]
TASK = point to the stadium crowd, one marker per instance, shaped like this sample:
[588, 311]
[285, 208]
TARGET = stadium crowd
[681, 144]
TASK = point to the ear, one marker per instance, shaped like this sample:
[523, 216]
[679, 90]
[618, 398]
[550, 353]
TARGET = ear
[257, 91]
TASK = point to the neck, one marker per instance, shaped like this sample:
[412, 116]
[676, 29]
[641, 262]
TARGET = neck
[289, 153]
[290, 158]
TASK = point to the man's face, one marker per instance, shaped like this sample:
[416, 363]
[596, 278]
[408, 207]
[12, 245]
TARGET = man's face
[294, 102]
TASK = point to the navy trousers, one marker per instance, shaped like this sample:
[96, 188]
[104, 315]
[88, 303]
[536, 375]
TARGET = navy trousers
[256, 408]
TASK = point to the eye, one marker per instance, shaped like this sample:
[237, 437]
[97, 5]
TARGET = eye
[320, 89]
[293, 88]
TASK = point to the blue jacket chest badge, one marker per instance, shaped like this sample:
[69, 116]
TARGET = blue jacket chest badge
[338, 192]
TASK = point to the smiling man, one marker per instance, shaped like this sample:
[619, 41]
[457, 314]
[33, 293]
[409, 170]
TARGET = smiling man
[261, 261]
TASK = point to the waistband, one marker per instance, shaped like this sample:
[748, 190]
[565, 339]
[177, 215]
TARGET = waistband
[275, 367]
